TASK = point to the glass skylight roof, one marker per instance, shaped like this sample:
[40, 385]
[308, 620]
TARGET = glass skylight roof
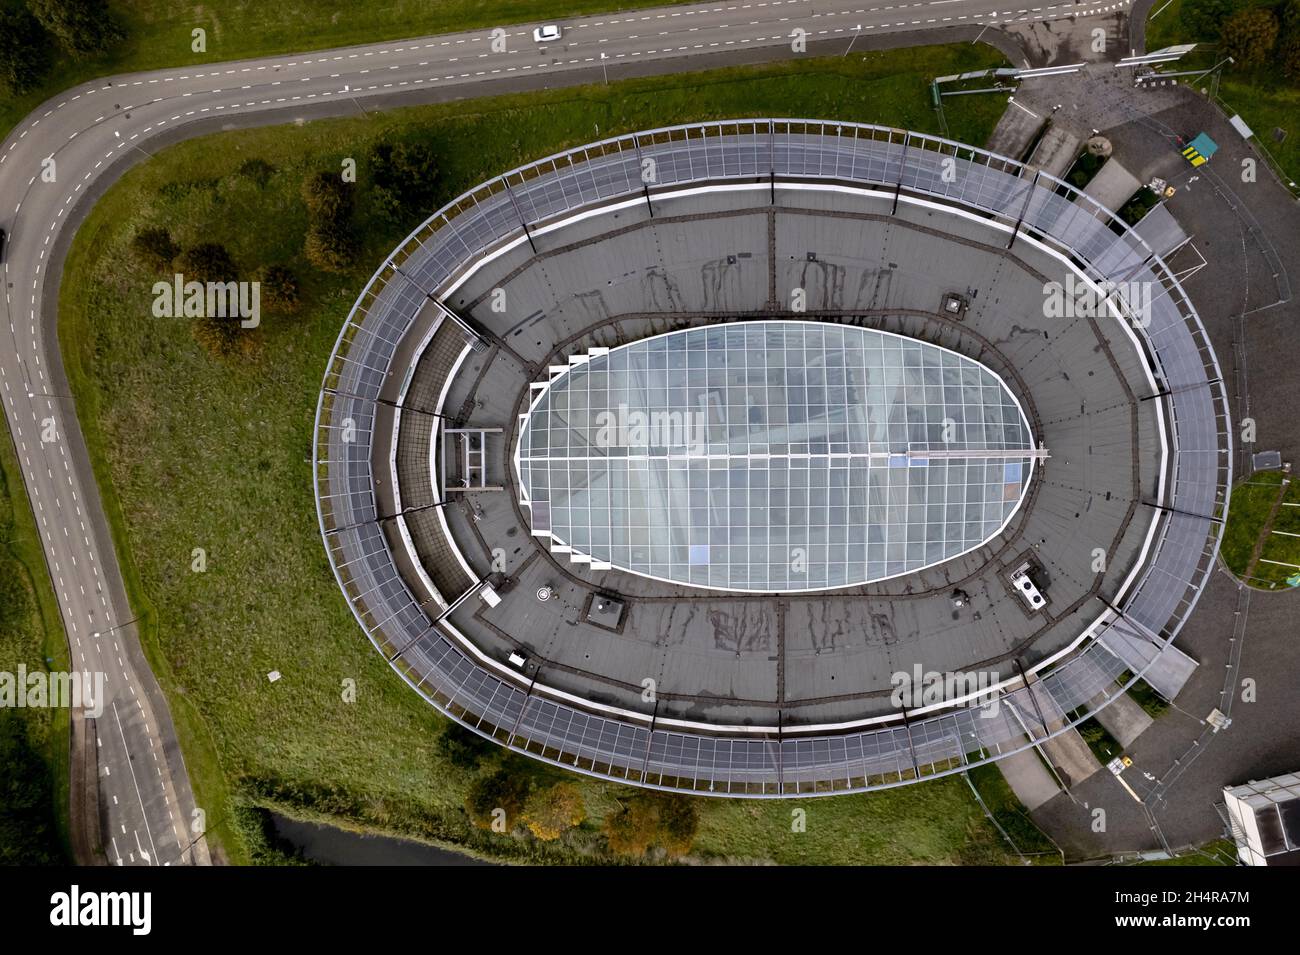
[772, 456]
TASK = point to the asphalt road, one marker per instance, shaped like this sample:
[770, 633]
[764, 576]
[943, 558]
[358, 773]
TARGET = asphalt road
[70, 149]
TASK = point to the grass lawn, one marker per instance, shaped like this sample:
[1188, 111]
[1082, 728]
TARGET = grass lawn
[1219, 852]
[1248, 510]
[1151, 702]
[1104, 746]
[192, 452]
[33, 743]
[894, 827]
[1282, 544]
[1164, 26]
[1011, 815]
[1266, 105]
[158, 32]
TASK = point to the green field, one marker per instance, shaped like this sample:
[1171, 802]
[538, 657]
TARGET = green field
[192, 452]
[1266, 106]
[1249, 508]
[1220, 852]
[1280, 556]
[33, 743]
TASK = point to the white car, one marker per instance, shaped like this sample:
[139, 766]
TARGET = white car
[546, 33]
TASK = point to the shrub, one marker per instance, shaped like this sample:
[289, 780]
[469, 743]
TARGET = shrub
[1288, 46]
[280, 289]
[552, 812]
[258, 170]
[328, 198]
[679, 820]
[330, 249]
[330, 245]
[460, 747]
[665, 820]
[225, 337]
[154, 248]
[502, 790]
[207, 262]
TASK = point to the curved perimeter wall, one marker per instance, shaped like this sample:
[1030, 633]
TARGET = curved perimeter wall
[769, 762]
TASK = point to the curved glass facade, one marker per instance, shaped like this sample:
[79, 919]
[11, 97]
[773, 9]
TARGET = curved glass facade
[773, 456]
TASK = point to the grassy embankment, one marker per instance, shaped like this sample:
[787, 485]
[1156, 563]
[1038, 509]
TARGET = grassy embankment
[1252, 503]
[33, 742]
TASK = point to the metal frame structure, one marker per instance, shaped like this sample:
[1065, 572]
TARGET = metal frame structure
[873, 462]
[1191, 501]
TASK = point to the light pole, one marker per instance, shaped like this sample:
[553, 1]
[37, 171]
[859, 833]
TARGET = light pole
[42, 394]
[604, 69]
[347, 88]
[118, 134]
[856, 31]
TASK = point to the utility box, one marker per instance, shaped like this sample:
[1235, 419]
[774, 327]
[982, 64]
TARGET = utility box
[1025, 587]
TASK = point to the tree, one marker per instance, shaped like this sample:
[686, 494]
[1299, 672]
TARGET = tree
[1288, 55]
[154, 248]
[404, 177]
[24, 51]
[328, 198]
[27, 829]
[631, 830]
[490, 796]
[279, 288]
[330, 245]
[1202, 19]
[552, 812]
[84, 28]
[207, 262]
[1248, 36]
[1288, 45]
[1288, 15]
[225, 337]
[653, 819]
[222, 336]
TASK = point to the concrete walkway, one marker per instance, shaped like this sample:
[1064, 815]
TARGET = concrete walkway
[1122, 718]
[1028, 779]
